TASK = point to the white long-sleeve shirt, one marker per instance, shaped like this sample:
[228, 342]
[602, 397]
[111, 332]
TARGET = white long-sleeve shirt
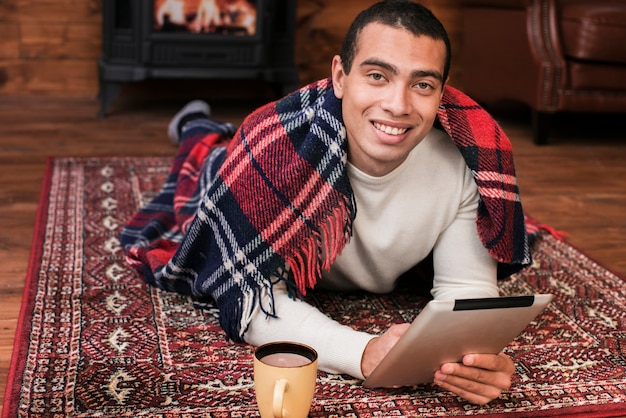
[427, 203]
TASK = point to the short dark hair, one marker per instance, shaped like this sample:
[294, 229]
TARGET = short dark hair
[403, 14]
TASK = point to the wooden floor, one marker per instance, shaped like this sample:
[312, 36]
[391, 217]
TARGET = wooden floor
[576, 184]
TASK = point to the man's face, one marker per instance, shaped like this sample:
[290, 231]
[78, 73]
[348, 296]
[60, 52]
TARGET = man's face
[391, 95]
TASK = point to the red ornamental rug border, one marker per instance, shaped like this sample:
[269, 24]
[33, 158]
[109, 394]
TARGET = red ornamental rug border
[20, 349]
[359, 405]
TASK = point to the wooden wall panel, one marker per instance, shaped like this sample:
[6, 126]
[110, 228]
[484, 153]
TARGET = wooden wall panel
[59, 41]
[9, 41]
[51, 47]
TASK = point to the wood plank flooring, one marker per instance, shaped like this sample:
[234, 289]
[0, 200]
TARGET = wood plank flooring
[576, 184]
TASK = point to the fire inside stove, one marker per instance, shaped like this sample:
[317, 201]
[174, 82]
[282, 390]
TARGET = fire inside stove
[226, 17]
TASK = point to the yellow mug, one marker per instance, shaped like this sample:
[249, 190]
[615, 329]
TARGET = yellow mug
[285, 374]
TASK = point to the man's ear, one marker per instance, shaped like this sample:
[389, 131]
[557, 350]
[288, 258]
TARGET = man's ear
[337, 75]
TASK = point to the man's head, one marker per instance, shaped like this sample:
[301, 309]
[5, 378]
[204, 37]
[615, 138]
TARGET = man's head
[390, 79]
[404, 14]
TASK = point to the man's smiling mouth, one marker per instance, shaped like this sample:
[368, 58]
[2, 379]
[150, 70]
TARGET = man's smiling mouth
[390, 130]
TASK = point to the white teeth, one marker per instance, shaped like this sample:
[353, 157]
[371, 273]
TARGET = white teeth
[389, 129]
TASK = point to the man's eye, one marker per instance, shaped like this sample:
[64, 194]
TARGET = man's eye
[377, 77]
[424, 86]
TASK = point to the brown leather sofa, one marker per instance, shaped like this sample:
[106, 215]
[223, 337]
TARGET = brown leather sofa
[553, 55]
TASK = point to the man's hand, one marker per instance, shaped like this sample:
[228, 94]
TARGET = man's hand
[480, 379]
[378, 347]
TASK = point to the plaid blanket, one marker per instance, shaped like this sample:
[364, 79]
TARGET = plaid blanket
[275, 202]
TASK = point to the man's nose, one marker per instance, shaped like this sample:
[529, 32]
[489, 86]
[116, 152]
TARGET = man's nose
[397, 100]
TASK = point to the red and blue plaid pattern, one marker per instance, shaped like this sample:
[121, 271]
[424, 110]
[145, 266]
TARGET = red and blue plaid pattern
[489, 155]
[276, 202]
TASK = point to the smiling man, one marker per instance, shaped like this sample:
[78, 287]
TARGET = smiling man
[255, 220]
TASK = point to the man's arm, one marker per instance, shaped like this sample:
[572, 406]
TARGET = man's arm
[465, 269]
[339, 347]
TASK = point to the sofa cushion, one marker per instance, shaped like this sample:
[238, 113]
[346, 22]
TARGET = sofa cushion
[595, 30]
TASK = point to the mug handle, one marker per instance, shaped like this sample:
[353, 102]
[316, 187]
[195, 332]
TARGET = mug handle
[279, 393]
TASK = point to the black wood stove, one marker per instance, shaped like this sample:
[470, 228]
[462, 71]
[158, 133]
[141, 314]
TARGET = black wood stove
[199, 39]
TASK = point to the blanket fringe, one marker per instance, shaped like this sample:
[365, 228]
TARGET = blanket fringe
[320, 250]
[236, 314]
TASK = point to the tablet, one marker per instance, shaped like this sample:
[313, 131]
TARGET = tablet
[446, 330]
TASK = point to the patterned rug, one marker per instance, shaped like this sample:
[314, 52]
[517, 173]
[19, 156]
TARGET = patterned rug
[93, 340]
